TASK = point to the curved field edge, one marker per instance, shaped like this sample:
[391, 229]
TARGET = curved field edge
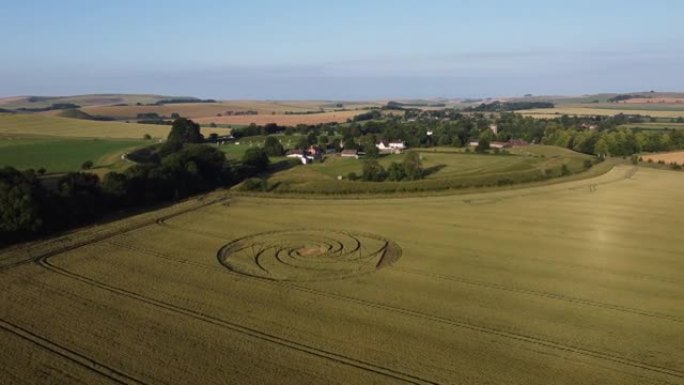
[609, 171]
[596, 170]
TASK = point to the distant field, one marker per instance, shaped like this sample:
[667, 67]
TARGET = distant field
[546, 113]
[211, 110]
[282, 120]
[655, 126]
[654, 100]
[667, 157]
[572, 283]
[60, 155]
[81, 100]
[637, 106]
[31, 124]
[445, 170]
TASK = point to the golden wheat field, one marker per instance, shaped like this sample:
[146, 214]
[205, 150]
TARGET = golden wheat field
[209, 110]
[573, 283]
[281, 119]
[667, 157]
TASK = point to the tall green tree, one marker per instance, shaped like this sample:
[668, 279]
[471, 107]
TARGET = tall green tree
[256, 160]
[185, 131]
[373, 171]
[413, 167]
[273, 147]
[20, 210]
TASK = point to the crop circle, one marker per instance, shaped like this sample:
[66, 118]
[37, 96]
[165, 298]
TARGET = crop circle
[308, 254]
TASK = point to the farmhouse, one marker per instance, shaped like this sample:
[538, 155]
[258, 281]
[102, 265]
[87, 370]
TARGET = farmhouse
[299, 154]
[305, 156]
[394, 147]
[500, 145]
[517, 143]
[350, 154]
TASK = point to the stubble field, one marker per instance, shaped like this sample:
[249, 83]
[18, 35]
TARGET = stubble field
[656, 111]
[579, 282]
[281, 119]
[667, 157]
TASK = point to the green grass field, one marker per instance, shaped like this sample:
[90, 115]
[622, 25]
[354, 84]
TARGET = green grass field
[31, 124]
[578, 282]
[60, 155]
[447, 168]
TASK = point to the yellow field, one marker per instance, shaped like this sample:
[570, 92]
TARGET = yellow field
[25, 124]
[667, 157]
[573, 283]
[548, 113]
[281, 119]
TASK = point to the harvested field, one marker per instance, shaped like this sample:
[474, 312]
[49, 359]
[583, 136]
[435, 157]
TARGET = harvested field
[655, 100]
[667, 157]
[211, 110]
[548, 113]
[281, 119]
[560, 284]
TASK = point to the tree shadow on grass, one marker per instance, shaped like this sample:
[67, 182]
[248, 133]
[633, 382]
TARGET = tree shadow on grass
[434, 169]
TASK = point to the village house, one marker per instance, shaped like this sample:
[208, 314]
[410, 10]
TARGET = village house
[351, 153]
[501, 145]
[299, 154]
[394, 147]
[518, 142]
[306, 156]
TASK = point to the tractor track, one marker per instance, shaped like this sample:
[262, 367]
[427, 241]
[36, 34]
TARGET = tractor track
[69, 354]
[254, 333]
[107, 235]
[544, 294]
[546, 343]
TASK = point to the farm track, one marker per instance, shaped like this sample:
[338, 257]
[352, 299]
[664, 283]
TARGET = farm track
[62, 351]
[69, 354]
[101, 237]
[544, 294]
[254, 333]
[590, 187]
[546, 343]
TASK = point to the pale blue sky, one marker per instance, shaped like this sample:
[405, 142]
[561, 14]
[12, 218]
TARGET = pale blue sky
[340, 49]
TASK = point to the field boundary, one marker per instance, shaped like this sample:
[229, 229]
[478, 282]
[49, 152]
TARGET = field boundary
[596, 171]
[8, 262]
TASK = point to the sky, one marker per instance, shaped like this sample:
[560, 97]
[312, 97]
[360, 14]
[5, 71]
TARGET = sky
[341, 50]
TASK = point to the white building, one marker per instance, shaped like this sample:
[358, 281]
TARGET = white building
[393, 147]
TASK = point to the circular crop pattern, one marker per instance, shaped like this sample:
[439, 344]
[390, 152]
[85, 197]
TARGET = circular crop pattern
[307, 255]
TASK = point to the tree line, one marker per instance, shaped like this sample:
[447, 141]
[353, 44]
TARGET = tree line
[181, 167]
